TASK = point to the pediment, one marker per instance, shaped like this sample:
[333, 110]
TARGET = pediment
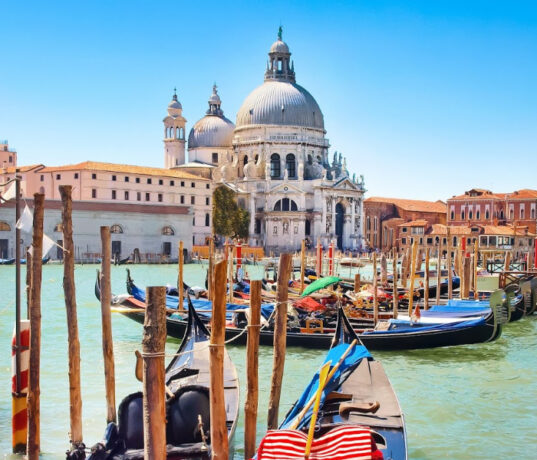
[345, 184]
[285, 188]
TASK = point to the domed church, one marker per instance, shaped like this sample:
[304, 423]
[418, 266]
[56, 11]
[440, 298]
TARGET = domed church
[277, 159]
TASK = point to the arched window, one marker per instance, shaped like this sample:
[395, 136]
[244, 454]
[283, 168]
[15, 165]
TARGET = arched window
[245, 160]
[167, 230]
[207, 219]
[116, 228]
[290, 164]
[275, 166]
[285, 204]
[4, 227]
[307, 229]
[58, 227]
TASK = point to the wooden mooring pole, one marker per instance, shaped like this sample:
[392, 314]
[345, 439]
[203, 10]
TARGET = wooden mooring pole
[75, 396]
[395, 282]
[252, 362]
[426, 274]
[439, 272]
[106, 320]
[375, 288]
[34, 392]
[219, 439]
[153, 343]
[280, 339]
[413, 263]
[302, 264]
[180, 286]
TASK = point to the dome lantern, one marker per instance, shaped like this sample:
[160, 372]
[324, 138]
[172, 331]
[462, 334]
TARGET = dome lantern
[279, 66]
[215, 103]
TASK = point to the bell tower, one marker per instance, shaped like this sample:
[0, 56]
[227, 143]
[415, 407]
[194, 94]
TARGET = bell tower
[174, 134]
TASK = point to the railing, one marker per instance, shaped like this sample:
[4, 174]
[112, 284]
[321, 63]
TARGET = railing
[283, 137]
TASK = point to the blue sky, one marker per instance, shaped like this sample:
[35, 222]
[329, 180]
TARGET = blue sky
[426, 99]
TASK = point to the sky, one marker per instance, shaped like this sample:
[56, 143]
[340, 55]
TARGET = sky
[426, 99]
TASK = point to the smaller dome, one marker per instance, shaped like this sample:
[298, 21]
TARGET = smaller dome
[174, 107]
[279, 46]
[211, 131]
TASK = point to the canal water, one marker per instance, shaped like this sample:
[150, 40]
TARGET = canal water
[467, 402]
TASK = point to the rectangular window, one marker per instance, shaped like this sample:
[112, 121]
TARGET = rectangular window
[429, 241]
[126, 195]
[215, 157]
[113, 194]
[58, 176]
[94, 193]
[193, 184]
[522, 211]
[403, 240]
[160, 197]
[147, 197]
[160, 182]
[207, 201]
[192, 200]
[149, 181]
[172, 183]
[137, 180]
[94, 176]
[76, 175]
[138, 196]
[182, 183]
[207, 186]
[114, 177]
[126, 178]
[182, 199]
[42, 178]
[10, 159]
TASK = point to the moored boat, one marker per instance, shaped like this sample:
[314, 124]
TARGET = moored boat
[358, 415]
[188, 411]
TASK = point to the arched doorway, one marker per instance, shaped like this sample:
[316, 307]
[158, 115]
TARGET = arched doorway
[340, 215]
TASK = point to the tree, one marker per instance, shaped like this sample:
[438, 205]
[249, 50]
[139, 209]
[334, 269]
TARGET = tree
[228, 218]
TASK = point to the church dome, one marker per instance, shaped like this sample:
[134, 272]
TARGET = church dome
[279, 100]
[280, 103]
[214, 129]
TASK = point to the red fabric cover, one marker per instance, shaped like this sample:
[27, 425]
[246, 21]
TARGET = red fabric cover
[309, 304]
[341, 443]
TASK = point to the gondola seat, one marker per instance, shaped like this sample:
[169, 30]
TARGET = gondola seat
[183, 410]
[131, 421]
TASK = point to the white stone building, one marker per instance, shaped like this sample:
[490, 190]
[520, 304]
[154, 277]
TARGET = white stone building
[276, 158]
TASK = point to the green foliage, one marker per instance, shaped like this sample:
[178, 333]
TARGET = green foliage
[228, 218]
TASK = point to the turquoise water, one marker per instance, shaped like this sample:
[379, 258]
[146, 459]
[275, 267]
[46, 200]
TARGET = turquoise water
[470, 402]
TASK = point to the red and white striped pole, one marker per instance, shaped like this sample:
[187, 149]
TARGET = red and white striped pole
[319, 267]
[331, 259]
[239, 255]
[19, 387]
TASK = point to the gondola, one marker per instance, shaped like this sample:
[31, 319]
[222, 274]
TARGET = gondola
[187, 412]
[359, 416]
[7, 261]
[398, 335]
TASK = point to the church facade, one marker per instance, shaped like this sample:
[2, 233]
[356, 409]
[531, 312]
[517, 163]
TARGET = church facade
[276, 158]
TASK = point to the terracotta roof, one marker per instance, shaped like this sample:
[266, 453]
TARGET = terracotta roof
[411, 205]
[455, 230]
[120, 168]
[414, 223]
[524, 193]
[507, 230]
[11, 170]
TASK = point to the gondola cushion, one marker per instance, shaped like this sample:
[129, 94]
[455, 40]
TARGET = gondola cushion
[341, 443]
[131, 421]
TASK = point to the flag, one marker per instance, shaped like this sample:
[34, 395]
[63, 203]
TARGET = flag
[26, 220]
[10, 192]
[48, 244]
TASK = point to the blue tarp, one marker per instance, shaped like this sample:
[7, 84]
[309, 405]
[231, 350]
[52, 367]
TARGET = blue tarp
[397, 326]
[201, 305]
[348, 365]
